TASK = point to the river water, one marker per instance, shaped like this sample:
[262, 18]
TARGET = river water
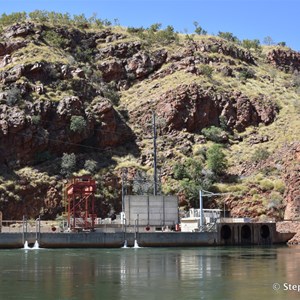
[151, 273]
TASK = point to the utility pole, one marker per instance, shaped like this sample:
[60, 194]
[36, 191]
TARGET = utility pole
[154, 154]
[123, 190]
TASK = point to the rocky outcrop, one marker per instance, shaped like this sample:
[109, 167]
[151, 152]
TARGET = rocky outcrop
[87, 76]
[290, 227]
[46, 127]
[120, 50]
[220, 46]
[285, 60]
[20, 30]
[138, 66]
[291, 160]
[189, 107]
[11, 46]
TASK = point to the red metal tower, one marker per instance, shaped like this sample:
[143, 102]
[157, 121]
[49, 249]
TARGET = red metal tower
[80, 195]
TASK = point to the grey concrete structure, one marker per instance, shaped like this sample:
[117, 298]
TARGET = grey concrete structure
[151, 210]
[250, 234]
[226, 234]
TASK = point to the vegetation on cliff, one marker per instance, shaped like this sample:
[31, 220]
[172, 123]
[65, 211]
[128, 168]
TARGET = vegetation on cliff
[77, 96]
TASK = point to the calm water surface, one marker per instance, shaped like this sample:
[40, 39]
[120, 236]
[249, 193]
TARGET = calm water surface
[150, 273]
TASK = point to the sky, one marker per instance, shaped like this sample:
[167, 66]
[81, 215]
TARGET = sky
[246, 19]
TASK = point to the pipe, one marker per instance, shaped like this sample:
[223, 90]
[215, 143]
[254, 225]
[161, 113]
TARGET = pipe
[201, 209]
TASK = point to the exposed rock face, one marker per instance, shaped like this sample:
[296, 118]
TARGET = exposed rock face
[9, 47]
[292, 179]
[88, 72]
[120, 51]
[20, 30]
[219, 46]
[22, 138]
[286, 60]
[138, 66]
[192, 108]
[293, 227]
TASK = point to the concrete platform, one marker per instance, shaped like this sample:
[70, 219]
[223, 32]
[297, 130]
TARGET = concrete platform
[226, 234]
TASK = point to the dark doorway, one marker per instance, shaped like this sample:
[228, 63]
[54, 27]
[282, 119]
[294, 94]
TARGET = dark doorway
[246, 234]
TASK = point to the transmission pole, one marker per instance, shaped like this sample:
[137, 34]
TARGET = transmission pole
[154, 154]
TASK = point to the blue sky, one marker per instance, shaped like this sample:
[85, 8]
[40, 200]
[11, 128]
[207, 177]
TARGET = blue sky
[246, 19]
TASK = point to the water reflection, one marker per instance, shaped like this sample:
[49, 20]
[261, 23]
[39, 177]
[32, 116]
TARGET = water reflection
[149, 273]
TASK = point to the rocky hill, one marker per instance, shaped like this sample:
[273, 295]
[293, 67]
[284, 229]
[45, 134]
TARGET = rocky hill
[79, 98]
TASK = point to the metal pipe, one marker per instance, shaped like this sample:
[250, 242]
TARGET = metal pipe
[37, 228]
[201, 209]
[23, 230]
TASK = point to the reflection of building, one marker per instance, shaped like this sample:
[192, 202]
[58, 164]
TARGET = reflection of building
[158, 211]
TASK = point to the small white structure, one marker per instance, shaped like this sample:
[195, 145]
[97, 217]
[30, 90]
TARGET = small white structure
[192, 221]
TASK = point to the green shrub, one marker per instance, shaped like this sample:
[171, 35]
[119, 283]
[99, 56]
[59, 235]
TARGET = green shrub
[35, 119]
[216, 159]
[84, 54]
[251, 44]
[260, 154]
[253, 192]
[39, 16]
[296, 79]
[206, 70]
[223, 122]
[68, 164]
[245, 74]
[81, 21]
[55, 39]
[12, 18]
[228, 36]
[279, 186]
[90, 165]
[214, 134]
[13, 96]
[77, 124]
[154, 34]
[275, 200]
[266, 185]
[192, 177]
[112, 95]
[135, 30]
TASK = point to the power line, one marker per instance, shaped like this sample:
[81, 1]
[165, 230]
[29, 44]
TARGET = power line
[72, 144]
[103, 130]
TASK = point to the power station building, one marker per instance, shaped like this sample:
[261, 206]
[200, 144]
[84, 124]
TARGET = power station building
[147, 210]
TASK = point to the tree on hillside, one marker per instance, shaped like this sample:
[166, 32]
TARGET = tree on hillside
[192, 178]
[268, 41]
[12, 18]
[198, 29]
[216, 159]
[251, 44]
[68, 164]
[228, 36]
[282, 44]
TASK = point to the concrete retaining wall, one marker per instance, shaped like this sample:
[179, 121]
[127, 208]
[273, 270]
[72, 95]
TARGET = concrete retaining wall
[250, 234]
[227, 234]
